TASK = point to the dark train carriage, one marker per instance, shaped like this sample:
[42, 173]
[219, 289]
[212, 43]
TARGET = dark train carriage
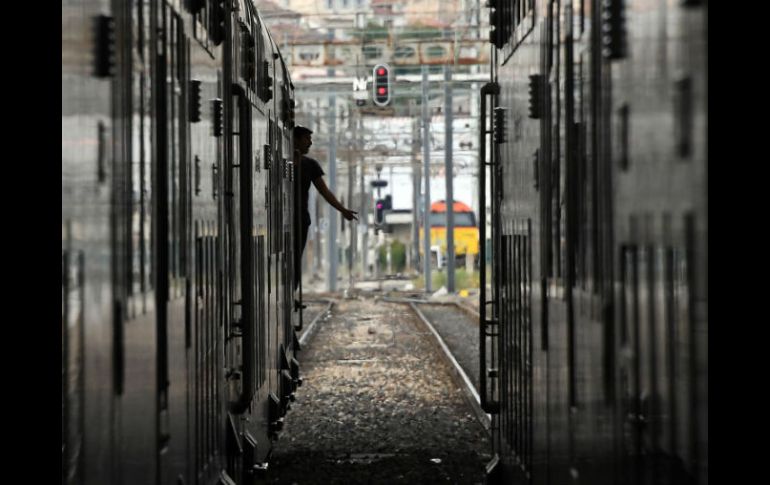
[598, 311]
[178, 346]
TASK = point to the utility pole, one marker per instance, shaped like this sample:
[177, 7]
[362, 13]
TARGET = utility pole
[377, 269]
[351, 176]
[315, 206]
[426, 176]
[363, 214]
[448, 168]
[332, 229]
[415, 196]
[331, 235]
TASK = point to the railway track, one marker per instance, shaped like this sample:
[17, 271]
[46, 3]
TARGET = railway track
[381, 402]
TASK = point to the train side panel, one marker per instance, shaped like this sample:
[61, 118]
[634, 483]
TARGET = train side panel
[599, 227]
[171, 205]
[88, 384]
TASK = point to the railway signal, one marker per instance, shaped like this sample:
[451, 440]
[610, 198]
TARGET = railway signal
[379, 212]
[381, 84]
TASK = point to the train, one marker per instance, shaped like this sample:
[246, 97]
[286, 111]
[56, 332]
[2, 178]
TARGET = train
[466, 232]
[594, 331]
[179, 317]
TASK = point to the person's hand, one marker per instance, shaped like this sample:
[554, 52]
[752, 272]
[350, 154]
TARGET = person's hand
[349, 214]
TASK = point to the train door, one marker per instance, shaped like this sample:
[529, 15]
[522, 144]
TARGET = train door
[134, 276]
[568, 228]
[280, 311]
[553, 227]
[289, 366]
[694, 117]
[205, 342]
[589, 325]
[88, 384]
[262, 217]
[172, 227]
[247, 430]
[285, 185]
[517, 373]
[245, 320]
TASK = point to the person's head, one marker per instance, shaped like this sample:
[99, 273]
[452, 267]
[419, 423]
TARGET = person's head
[303, 138]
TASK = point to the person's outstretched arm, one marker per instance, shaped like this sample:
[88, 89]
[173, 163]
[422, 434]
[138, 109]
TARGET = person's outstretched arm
[332, 200]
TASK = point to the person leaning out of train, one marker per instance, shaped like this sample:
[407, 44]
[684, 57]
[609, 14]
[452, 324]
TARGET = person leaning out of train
[312, 173]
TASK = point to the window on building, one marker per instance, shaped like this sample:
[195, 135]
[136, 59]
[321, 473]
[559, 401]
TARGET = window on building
[436, 51]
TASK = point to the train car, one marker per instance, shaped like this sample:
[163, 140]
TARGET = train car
[178, 228]
[597, 317]
[466, 232]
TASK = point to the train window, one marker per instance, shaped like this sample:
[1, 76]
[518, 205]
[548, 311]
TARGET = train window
[633, 274]
[248, 53]
[583, 191]
[287, 288]
[200, 25]
[683, 116]
[665, 348]
[205, 341]
[139, 27]
[146, 192]
[684, 334]
[518, 20]
[138, 243]
[261, 311]
[168, 83]
[646, 341]
[73, 361]
[582, 15]
[199, 312]
[461, 219]
[279, 180]
[516, 339]
[273, 216]
[135, 208]
[259, 45]
[671, 345]
[557, 188]
[627, 279]
[175, 147]
[550, 27]
[518, 13]
[185, 205]
[623, 136]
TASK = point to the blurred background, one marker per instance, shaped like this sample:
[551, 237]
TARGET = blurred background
[358, 67]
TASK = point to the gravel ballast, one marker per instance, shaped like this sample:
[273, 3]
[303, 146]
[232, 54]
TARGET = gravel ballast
[460, 332]
[377, 406]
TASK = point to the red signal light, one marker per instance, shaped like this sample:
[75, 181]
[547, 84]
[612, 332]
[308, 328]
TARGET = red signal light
[379, 205]
[381, 85]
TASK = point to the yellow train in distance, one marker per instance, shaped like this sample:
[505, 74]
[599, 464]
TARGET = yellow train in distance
[466, 232]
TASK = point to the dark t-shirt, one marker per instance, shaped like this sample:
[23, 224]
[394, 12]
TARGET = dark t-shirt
[311, 170]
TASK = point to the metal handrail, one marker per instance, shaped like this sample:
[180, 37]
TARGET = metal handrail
[488, 89]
